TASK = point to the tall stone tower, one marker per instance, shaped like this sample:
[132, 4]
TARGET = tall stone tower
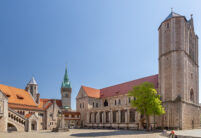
[66, 92]
[178, 72]
[32, 87]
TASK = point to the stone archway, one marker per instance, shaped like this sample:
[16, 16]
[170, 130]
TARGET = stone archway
[11, 127]
[33, 125]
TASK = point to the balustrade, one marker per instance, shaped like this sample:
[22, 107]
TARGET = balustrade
[16, 117]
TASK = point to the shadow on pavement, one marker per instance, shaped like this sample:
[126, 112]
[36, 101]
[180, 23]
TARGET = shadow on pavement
[111, 133]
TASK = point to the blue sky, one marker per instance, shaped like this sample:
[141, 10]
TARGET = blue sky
[103, 42]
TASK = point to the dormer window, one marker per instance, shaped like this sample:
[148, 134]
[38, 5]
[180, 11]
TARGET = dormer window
[8, 95]
[19, 97]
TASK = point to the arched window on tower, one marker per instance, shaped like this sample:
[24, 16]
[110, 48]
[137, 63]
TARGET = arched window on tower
[192, 95]
[31, 89]
[105, 103]
[66, 95]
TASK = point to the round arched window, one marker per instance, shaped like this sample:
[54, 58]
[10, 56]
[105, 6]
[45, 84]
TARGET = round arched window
[105, 103]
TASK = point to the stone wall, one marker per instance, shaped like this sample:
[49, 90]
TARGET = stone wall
[190, 116]
[51, 116]
[178, 73]
[3, 112]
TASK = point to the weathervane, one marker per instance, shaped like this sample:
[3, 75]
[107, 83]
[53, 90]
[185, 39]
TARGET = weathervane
[171, 9]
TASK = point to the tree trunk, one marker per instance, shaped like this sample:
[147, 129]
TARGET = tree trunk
[154, 120]
[147, 122]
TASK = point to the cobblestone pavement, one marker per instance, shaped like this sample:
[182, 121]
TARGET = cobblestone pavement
[87, 133]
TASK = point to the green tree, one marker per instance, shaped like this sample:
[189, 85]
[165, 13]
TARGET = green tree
[146, 101]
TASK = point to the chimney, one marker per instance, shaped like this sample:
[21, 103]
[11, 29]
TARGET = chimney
[38, 98]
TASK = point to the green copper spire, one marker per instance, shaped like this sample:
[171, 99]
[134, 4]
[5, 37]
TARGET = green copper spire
[66, 82]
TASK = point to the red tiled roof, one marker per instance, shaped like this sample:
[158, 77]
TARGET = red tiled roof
[59, 103]
[92, 92]
[46, 103]
[17, 96]
[123, 88]
[28, 115]
[119, 89]
[21, 99]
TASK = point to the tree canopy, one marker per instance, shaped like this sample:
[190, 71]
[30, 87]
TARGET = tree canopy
[146, 100]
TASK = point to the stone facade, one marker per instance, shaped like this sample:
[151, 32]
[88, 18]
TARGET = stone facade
[112, 112]
[178, 72]
[51, 116]
[3, 112]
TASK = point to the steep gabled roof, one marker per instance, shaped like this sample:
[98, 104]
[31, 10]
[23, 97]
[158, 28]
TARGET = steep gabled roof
[21, 99]
[123, 88]
[91, 92]
[17, 96]
[46, 103]
[119, 89]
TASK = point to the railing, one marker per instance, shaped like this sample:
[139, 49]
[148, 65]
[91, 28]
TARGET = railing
[16, 117]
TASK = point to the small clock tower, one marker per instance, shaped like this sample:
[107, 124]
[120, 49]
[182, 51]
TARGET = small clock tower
[66, 92]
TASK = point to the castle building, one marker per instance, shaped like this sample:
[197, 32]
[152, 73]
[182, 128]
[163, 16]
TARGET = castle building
[24, 110]
[177, 83]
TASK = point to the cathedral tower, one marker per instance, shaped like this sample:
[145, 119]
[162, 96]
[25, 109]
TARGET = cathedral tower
[66, 92]
[178, 72]
[32, 87]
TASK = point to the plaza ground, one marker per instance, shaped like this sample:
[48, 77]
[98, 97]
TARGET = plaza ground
[194, 133]
[87, 133]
